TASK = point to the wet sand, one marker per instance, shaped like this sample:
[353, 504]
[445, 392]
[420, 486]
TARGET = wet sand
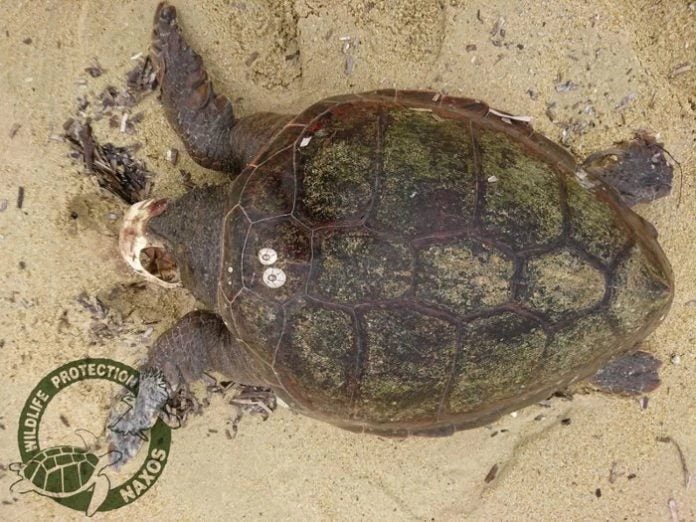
[624, 61]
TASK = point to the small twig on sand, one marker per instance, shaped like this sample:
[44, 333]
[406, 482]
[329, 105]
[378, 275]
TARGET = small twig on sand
[682, 459]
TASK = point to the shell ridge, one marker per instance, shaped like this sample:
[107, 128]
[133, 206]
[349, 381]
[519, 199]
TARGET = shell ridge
[378, 170]
[362, 355]
[242, 254]
[449, 383]
[354, 381]
[480, 198]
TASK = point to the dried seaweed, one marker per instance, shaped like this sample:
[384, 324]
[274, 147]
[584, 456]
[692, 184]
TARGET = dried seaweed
[114, 167]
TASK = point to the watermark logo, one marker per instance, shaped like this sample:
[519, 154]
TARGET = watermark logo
[73, 475]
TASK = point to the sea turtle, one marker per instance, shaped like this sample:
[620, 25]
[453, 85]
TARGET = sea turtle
[65, 471]
[393, 262]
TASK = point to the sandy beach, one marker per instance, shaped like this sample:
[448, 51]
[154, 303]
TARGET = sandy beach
[588, 74]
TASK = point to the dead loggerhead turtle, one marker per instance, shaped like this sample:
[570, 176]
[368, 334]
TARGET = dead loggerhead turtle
[393, 262]
[65, 471]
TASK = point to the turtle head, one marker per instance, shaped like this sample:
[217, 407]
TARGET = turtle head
[175, 243]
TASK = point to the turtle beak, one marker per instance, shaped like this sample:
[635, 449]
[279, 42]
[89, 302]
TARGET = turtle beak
[143, 250]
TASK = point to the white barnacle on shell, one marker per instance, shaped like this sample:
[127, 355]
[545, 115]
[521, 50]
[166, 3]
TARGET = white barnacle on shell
[274, 277]
[268, 256]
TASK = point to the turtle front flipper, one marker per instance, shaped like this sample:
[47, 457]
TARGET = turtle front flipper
[199, 342]
[203, 119]
[126, 431]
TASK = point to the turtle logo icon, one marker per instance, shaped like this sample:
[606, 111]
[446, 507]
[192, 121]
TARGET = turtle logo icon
[78, 476]
[64, 471]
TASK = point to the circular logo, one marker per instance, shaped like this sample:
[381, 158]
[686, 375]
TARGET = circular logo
[72, 475]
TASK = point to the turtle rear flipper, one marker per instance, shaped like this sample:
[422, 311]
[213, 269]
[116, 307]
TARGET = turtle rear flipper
[637, 169]
[630, 374]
